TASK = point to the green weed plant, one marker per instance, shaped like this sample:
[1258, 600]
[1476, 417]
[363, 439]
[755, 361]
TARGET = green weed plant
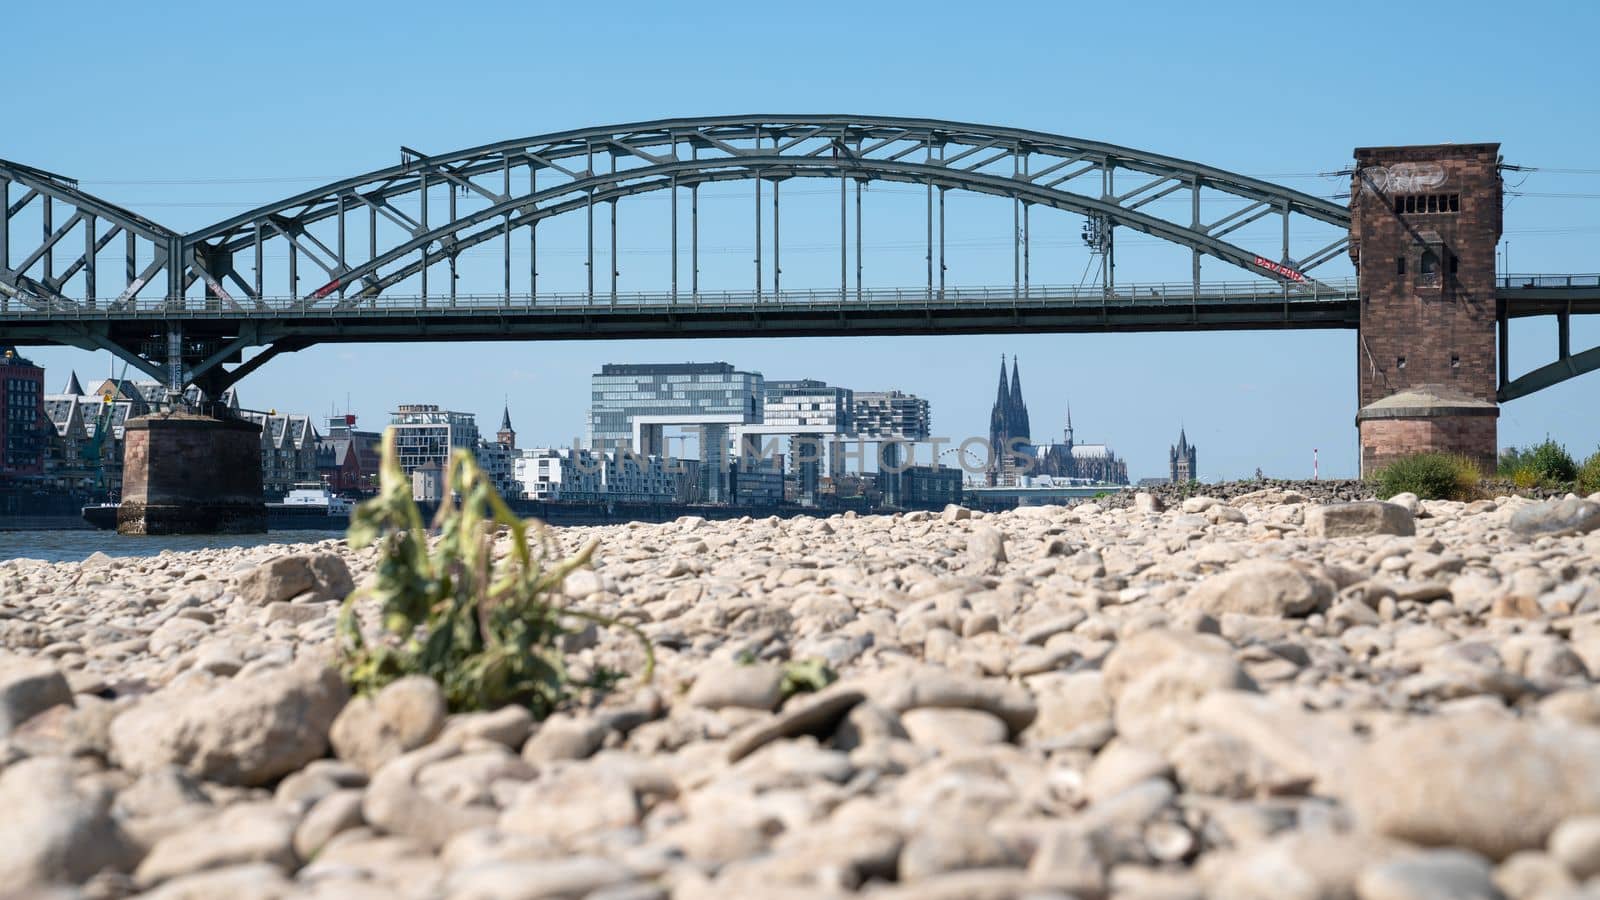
[487, 629]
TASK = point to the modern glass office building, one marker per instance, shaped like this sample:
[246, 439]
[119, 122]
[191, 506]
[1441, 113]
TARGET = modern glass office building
[807, 406]
[632, 405]
[634, 402]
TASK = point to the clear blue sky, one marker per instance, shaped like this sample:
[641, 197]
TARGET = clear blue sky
[203, 110]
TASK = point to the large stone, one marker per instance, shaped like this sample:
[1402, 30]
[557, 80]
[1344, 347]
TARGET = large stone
[1119, 766]
[952, 730]
[1367, 517]
[1535, 875]
[816, 714]
[1301, 746]
[952, 847]
[396, 804]
[251, 881]
[933, 687]
[28, 686]
[579, 876]
[986, 547]
[1157, 677]
[564, 736]
[508, 726]
[1262, 588]
[246, 833]
[1576, 843]
[1297, 866]
[53, 830]
[1489, 784]
[1434, 875]
[723, 684]
[247, 731]
[1071, 705]
[573, 804]
[1554, 518]
[324, 575]
[335, 812]
[402, 717]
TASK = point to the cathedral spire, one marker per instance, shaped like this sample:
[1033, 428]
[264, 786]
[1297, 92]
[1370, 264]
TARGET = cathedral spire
[73, 387]
[1069, 424]
[1019, 409]
[1002, 398]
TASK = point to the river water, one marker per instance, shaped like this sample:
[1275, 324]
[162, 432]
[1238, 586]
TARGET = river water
[72, 546]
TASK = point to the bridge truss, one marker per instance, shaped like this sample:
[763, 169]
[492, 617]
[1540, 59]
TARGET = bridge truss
[352, 245]
[366, 255]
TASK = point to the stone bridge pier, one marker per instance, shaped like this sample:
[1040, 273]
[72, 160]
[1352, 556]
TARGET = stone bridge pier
[1424, 224]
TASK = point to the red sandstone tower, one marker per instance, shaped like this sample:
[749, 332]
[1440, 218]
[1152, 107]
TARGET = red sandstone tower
[1424, 223]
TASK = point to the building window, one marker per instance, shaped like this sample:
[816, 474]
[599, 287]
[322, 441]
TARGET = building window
[1455, 360]
[1400, 265]
[1455, 262]
[1400, 362]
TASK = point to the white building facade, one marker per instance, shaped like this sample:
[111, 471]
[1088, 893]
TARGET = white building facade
[578, 475]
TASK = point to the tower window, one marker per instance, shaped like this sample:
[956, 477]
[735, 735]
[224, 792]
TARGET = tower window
[1455, 262]
[1455, 360]
[1400, 265]
[1430, 264]
[1408, 204]
[1400, 362]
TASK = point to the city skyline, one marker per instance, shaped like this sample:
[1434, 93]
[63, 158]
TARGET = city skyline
[1258, 399]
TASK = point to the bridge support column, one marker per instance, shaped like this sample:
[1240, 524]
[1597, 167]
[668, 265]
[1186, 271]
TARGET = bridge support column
[191, 474]
[1424, 224]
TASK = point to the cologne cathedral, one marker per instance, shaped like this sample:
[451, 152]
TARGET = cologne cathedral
[1014, 453]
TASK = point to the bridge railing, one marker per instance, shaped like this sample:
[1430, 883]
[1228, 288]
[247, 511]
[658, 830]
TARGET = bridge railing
[1154, 294]
[1547, 281]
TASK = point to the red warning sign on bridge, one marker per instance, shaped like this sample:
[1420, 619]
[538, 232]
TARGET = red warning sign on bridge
[1279, 269]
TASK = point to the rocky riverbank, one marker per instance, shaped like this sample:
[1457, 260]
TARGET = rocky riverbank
[1257, 698]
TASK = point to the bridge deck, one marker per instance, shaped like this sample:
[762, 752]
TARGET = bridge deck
[1157, 307]
[1256, 305]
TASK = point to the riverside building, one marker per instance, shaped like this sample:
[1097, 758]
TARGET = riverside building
[632, 405]
[425, 435]
[890, 419]
[814, 416]
[575, 474]
[22, 419]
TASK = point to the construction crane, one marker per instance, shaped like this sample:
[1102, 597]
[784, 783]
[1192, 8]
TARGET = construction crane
[93, 451]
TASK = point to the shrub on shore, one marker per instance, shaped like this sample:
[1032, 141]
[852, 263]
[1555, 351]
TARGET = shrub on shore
[1589, 475]
[1431, 476]
[487, 629]
[1547, 464]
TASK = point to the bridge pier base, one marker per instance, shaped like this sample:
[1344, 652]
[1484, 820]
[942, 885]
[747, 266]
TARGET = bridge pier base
[191, 474]
[1424, 223]
[1429, 418]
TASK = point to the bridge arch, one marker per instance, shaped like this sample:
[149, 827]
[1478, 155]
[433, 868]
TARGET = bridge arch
[1031, 168]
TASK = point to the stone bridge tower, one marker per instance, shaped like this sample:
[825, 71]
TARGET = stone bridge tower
[1424, 223]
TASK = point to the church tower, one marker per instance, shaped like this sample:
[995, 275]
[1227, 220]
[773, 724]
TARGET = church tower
[507, 436]
[1182, 458]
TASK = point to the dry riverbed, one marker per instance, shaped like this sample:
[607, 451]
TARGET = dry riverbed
[1263, 698]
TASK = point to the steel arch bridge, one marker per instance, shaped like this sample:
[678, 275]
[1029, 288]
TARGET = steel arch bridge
[371, 258]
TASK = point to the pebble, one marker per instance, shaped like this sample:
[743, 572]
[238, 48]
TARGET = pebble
[1278, 689]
